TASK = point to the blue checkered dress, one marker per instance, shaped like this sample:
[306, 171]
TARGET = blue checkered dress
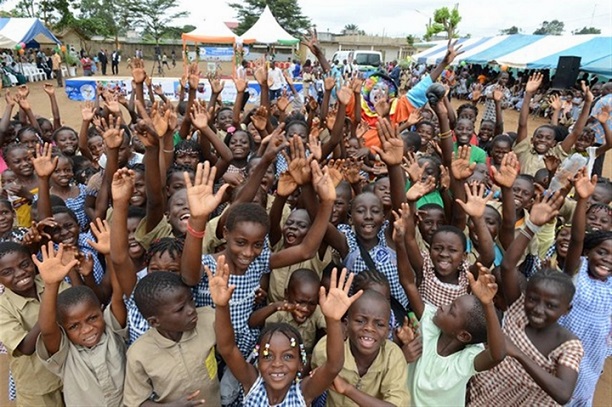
[383, 256]
[590, 319]
[257, 396]
[242, 303]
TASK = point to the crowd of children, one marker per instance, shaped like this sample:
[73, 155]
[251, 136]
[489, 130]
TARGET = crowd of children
[384, 250]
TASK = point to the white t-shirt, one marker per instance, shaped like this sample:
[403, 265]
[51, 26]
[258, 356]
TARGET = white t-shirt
[275, 76]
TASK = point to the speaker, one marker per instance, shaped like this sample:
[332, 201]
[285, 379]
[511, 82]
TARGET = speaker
[567, 72]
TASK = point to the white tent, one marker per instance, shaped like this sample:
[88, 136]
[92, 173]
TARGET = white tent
[267, 31]
[14, 31]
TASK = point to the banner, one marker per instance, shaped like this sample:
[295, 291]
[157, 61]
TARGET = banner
[216, 53]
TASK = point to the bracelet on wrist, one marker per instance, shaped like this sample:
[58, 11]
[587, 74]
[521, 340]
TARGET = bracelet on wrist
[195, 233]
[445, 135]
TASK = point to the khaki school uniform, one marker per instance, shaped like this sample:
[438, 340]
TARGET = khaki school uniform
[308, 329]
[386, 379]
[172, 370]
[531, 161]
[92, 376]
[35, 385]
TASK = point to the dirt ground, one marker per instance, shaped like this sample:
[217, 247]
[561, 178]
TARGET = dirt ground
[71, 116]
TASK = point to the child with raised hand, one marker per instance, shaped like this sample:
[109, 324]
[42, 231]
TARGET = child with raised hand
[543, 357]
[589, 262]
[451, 335]
[79, 342]
[280, 350]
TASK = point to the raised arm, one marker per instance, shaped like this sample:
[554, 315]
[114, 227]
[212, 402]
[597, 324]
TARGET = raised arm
[602, 118]
[344, 97]
[50, 90]
[87, 113]
[44, 165]
[6, 117]
[416, 192]
[504, 177]
[498, 95]
[532, 86]
[570, 140]
[392, 153]
[113, 138]
[452, 51]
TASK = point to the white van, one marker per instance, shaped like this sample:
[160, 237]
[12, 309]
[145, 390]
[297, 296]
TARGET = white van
[364, 60]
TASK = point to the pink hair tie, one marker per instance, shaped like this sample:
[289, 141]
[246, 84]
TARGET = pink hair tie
[231, 129]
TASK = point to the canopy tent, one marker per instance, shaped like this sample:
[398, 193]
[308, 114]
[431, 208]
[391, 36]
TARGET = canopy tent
[530, 51]
[30, 31]
[268, 31]
[214, 31]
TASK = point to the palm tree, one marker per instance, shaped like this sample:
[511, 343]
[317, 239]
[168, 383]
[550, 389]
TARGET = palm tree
[350, 29]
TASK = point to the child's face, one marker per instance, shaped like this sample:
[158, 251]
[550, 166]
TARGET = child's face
[224, 120]
[139, 196]
[426, 132]
[297, 129]
[431, 169]
[296, 227]
[66, 231]
[544, 303]
[163, 261]
[429, 221]
[7, 217]
[84, 323]
[464, 131]
[136, 251]
[598, 219]
[67, 142]
[176, 314]
[562, 241]
[17, 273]
[499, 150]
[600, 260]
[367, 326]
[368, 215]
[178, 211]
[602, 194]
[280, 363]
[585, 140]
[543, 140]
[352, 147]
[523, 191]
[30, 140]
[137, 145]
[46, 128]
[450, 318]
[62, 176]
[305, 296]
[447, 253]
[96, 146]
[176, 182]
[244, 243]
[189, 158]
[341, 207]
[382, 189]
[468, 114]
[8, 176]
[486, 131]
[18, 160]
[269, 177]
[239, 145]
[492, 222]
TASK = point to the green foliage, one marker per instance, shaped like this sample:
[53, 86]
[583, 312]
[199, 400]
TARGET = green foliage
[154, 16]
[175, 32]
[554, 27]
[287, 12]
[445, 20]
[510, 31]
[587, 30]
[410, 40]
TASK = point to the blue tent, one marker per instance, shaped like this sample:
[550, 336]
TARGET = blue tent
[30, 31]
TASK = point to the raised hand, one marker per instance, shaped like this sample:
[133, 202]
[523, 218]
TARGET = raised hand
[344, 95]
[382, 108]
[420, 188]
[260, 118]
[112, 133]
[584, 186]
[86, 264]
[330, 119]
[283, 102]
[603, 115]
[412, 167]
[334, 170]
[44, 163]
[476, 202]
[399, 225]
[534, 82]
[276, 143]
[415, 117]
[23, 91]
[51, 268]
[101, 231]
[49, 89]
[88, 110]
[485, 287]
[407, 332]
[555, 102]
[202, 201]
[498, 93]
[122, 186]
[193, 76]
[551, 162]
[356, 84]
[588, 95]
[112, 103]
[199, 116]
[322, 183]
[312, 42]
[240, 85]
[452, 52]
[220, 291]
[337, 301]
[392, 150]
[329, 83]
[299, 166]
[286, 184]
[461, 167]
[545, 208]
[508, 170]
[138, 72]
[10, 100]
[36, 233]
[314, 143]
[22, 102]
[216, 85]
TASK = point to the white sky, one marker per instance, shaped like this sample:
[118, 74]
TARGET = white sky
[403, 17]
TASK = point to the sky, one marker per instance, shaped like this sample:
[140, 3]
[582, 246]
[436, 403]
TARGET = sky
[403, 17]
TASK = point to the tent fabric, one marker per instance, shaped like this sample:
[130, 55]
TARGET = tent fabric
[214, 31]
[14, 31]
[530, 51]
[268, 31]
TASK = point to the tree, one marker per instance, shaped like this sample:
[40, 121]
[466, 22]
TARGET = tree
[108, 18]
[445, 20]
[352, 29]
[154, 16]
[509, 31]
[53, 13]
[287, 12]
[175, 32]
[410, 40]
[587, 30]
[554, 27]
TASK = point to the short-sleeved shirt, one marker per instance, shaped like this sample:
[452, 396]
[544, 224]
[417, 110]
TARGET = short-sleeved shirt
[477, 154]
[308, 329]
[91, 376]
[386, 379]
[165, 371]
[531, 161]
[17, 317]
[436, 380]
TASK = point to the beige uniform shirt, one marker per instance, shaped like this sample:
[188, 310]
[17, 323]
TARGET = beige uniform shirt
[173, 370]
[386, 379]
[92, 376]
[17, 317]
[308, 329]
[531, 161]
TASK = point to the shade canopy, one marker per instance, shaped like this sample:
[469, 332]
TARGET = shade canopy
[268, 31]
[213, 31]
[529, 51]
[30, 31]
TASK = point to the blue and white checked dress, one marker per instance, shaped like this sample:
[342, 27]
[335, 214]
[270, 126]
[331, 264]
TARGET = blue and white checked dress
[257, 396]
[383, 256]
[590, 319]
[242, 303]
